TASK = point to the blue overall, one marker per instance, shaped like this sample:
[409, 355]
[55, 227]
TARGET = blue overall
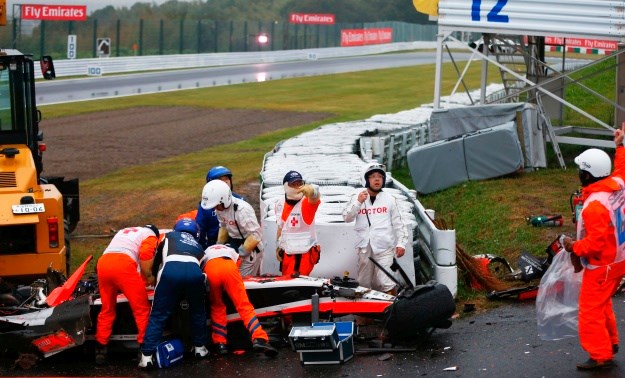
[180, 277]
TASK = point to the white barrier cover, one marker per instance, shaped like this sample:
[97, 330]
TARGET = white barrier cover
[325, 156]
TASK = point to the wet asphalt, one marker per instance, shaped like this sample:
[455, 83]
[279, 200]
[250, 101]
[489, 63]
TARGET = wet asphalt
[500, 342]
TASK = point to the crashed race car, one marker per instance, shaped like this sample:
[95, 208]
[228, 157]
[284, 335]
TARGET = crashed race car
[46, 319]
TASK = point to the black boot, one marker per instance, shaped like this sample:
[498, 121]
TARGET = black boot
[221, 349]
[595, 365]
[262, 345]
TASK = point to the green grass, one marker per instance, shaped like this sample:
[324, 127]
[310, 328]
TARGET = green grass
[350, 96]
[599, 78]
[489, 216]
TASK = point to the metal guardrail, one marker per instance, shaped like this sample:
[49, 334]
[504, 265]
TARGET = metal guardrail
[80, 67]
[391, 149]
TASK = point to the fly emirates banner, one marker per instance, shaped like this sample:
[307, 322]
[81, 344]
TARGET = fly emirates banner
[54, 12]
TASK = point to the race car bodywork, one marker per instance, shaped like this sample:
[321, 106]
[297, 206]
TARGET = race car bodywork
[38, 324]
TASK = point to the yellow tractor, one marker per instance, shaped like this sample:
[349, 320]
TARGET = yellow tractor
[36, 213]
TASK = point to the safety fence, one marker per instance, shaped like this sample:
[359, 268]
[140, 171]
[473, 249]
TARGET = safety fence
[80, 67]
[116, 38]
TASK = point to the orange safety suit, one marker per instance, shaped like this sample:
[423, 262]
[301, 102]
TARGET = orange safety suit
[188, 215]
[118, 270]
[222, 275]
[308, 260]
[597, 246]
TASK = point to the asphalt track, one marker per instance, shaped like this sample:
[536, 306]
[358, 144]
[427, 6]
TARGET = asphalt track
[96, 88]
[501, 342]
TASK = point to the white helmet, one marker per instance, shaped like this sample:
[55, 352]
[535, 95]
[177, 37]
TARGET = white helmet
[369, 168]
[594, 161]
[214, 193]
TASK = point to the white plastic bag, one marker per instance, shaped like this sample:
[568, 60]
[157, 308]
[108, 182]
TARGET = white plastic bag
[557, 301]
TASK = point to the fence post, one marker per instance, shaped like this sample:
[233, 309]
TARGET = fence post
[390, 151]
[318, 32]
[199, 36]
[161, 37]
[94, 42]
[117, 36]
[42, 36]
[140, 37]
[326, 29]
[14, 28]
[246, 37]
[273, 34]
[230, 36]
[381, 146]
[181, 35]
[296, 26]
[260, 31]
[216, 35]
[404, 147]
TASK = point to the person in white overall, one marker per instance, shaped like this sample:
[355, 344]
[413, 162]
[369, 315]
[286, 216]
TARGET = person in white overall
[382, 233]
[238, 226]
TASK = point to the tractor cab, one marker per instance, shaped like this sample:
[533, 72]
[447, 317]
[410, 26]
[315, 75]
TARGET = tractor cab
[19, 118]
[36, 213]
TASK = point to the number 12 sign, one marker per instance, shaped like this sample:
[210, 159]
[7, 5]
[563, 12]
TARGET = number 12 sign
[595, 19]
[494, 14]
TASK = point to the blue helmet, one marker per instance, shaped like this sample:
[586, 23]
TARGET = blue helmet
[187, 225]
[217, 172]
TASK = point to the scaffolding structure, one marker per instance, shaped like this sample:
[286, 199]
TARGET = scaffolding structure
[513, 40]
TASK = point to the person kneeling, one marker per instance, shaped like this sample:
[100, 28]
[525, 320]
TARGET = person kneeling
[180, 276]
[223, 275]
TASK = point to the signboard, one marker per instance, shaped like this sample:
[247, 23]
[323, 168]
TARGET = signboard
[312, 18]
[54, 12]
[583, 43]
[600, 19]
[94, 71]
[71, 46]
[361, 37]
[103, 47]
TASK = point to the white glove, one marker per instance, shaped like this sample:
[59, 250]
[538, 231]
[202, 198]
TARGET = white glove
[311, 191]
